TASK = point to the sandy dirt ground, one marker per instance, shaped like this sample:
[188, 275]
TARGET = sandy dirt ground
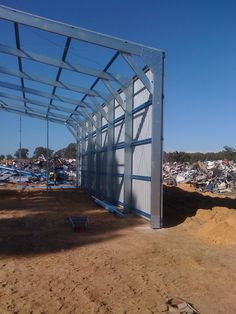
[117, 265]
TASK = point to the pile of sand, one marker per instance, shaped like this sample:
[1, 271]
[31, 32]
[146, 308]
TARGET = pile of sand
[216, 226]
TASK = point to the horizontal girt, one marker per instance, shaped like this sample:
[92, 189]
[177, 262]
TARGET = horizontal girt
[34, 102]
[42, 94]
[29, 114]
[54, 115]
[20, 53]
[43, 80]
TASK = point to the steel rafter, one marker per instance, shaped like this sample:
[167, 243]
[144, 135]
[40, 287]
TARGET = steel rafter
[25, 54]
[40, 79]
[97, 80]
[17, 37]
[63, 59]
[37, 92]
[35, 102]
[139, 72]
[72, 31]
[12, 109]
[55, 115]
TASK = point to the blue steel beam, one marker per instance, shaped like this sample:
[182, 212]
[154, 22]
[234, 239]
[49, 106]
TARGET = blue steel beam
[56, 63]
[42, 94]
[35, 102]
[97, 79]
[45, 80]
[54, 115]
[63, 59]
[29, 114]
[71, 131]
[139, 72]
[17, 37]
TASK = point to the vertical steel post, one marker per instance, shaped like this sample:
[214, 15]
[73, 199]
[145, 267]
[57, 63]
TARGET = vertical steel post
[47, 154]
[80, 156]
[90, 173]
[98, 148]
[83, 158]
[77, 155]
[20, 147]
[157, 67]
[110, 151]
[128, 148]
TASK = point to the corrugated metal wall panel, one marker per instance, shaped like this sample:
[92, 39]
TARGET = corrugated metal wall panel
[118, 189]
[119, 132]
[142, 121]
[142, 160]
[141, 195]
[118, 165]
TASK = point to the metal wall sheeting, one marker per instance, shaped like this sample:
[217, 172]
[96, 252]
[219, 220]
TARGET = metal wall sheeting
[115, 167]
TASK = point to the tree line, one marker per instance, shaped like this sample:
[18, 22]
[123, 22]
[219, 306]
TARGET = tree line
[228, 153]
[68, 152]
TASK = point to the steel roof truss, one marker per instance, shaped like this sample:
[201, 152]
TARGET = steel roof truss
[42, 94]
[17, 38]
[20, 53]
[63, 59]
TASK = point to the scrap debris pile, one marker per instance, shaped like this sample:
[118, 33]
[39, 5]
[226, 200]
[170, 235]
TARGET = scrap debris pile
[35, 171]
[209, 176]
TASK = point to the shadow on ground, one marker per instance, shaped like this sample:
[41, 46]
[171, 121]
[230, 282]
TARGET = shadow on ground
[180, 204]
[36, 222]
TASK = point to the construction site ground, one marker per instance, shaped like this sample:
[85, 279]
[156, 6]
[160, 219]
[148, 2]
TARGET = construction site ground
[119, 265]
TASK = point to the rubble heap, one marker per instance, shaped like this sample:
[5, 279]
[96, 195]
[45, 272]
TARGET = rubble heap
[209, 176]
[35, 171]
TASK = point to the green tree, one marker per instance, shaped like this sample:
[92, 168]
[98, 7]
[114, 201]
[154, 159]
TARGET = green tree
[2, 157]
[229, 149]
[42, 151]
[60, 153]
[229, 153]
[70, 151]
[177, 156]
[24, 153]
[9, 157]
[67, 152]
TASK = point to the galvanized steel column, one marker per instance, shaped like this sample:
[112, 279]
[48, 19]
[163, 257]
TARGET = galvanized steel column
[110, 151]
[48, 166]
[78, 153]
[90, 173]
[157, 67]
[83, 157]
[98, 147]
[20, 146]
[128, 148]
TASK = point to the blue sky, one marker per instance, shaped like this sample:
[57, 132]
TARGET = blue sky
[199, 38]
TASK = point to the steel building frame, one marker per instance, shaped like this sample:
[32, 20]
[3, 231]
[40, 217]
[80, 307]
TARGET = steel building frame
[94, 118]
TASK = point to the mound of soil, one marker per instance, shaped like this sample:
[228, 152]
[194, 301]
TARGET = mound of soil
[216, 226]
